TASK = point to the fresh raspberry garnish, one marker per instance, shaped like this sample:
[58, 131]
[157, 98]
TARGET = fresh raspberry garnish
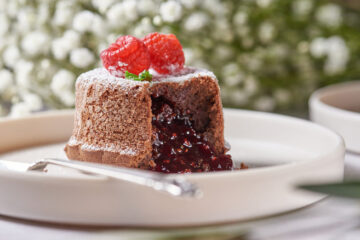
[165, 52]
[127, 54]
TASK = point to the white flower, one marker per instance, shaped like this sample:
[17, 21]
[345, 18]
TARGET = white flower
[232, 75]
[72, 39]
[35, 43]
[6, 80]
[81, 57]
[33, 101]
[334, 49]
[189, 55]
[329, 15]
[146, 7]
[157, 21]
[102, 5]
[263, 3]
[318, 47]
[23, 77]
[130, 7]
[19, 110]
[216, 7]
[25, 19]
[11, 55]
[64, 13]
[223, 52]
[223, 26]
[302, 7]
[62, 81]
[240, 18]
[171, 11]
[265, 103]
[251, 86]
[266, 32]
[4, 26]
[282, 96]
[196, 21]
[338, 55]
[98, 26]
[68, 98]
[62, 85]
[12, 8]
[239, 97]
[62, 46]
[143, 28]
[116, 16]
[189, 4]
[59, 49]
[83, 21]
[43, 13]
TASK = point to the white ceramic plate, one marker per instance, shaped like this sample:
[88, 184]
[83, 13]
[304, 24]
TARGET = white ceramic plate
[338, 108]
[294, 151]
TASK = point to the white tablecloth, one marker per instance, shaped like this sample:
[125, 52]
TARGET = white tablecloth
[329, 219]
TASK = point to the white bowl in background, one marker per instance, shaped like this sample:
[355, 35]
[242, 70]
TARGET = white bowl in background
[338, 108]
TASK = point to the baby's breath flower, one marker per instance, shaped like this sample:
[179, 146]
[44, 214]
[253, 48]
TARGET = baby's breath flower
[81, 57]
[33, 101]
[102, 5]
[302, 7]
[146, 7]
[240, 18]
[20, 109]
[171, 11]
[116, 16]
[64, 13]
[338, 55]
[196, 21]
[6, 80]
[189, 4]
[23, 77]
[263, 3]
[11, 55]
[83, 21]
[265, 103]
[266, 32]
[4, 26]
[35, 43]
[62, 84]
[329, 15]
[157, 21]
[143, 28]
[239, 97]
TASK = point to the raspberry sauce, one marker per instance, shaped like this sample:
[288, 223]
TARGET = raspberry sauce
[177, 146]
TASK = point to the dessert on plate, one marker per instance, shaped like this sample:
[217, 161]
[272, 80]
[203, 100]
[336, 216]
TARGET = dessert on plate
[146, 110]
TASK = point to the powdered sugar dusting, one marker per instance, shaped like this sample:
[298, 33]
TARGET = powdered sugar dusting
[187, 73]
[101, 75]
[107, 148]
[73, 141]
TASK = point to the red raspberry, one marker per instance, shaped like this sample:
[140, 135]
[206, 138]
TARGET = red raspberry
[165, 52]
[127, 54]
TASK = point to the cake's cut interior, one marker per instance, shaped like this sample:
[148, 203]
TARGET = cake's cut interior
[173, 124]
[177, 147]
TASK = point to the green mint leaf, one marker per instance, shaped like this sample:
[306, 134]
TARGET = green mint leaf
[143, 76]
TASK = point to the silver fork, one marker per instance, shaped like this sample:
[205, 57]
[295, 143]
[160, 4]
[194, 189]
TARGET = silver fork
[174, 185]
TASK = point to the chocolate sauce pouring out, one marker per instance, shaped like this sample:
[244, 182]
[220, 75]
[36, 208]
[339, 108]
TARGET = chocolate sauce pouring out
[177, 146]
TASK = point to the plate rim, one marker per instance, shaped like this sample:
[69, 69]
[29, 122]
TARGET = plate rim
[193, 176]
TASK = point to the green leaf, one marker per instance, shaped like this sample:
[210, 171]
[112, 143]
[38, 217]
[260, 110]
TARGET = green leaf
[143, 76]
[345, 189]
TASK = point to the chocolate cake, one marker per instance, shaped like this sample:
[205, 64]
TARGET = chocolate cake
[173, 123]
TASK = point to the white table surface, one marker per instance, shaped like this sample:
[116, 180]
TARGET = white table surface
[329, 219]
